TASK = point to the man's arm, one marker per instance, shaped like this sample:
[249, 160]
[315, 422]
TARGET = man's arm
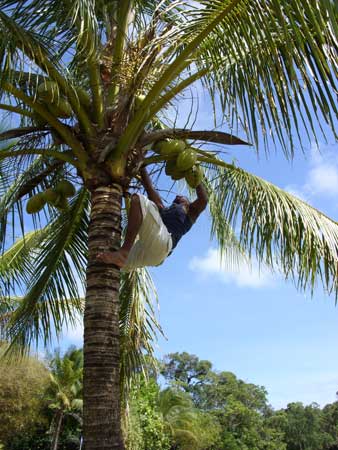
[199, 205]
[148, 186]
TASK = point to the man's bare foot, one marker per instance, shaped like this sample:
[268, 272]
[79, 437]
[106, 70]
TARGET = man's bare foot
[118, 258]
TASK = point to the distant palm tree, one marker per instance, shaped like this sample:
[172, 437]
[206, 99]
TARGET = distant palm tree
[64, 392]
[180, 417]
[113, 71]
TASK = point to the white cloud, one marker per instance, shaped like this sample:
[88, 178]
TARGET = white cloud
[323, 180]
[242, 276]
[322, 177]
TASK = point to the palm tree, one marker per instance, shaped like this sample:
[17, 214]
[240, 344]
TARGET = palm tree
[64, 392]
[91, 86]
[180, 418]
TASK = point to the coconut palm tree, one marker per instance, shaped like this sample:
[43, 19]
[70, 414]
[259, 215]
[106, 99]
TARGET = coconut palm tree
[64, 392]
[92, 87]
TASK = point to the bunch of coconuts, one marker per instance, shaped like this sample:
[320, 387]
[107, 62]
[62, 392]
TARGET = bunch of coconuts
[49, 95]
[182, 162]
[57, 197]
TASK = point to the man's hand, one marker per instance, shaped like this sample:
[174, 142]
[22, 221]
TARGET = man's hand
[199, 205]
[148, 186]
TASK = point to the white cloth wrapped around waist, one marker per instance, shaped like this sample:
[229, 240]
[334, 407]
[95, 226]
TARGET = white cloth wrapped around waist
[153, 242]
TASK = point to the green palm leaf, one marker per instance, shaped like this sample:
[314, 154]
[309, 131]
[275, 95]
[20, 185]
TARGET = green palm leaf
[34, 176]
[58, 272]
[138, 325]
[278, 228]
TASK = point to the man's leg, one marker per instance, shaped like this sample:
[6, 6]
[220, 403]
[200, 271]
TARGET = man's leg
[135, 218]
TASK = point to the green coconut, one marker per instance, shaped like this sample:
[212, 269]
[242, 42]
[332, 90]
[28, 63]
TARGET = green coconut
[170, 167]
[35, 203]
[172, 147]
[51, 196]
[48, 91]
[82, 96]
[186, 159]
[39, 120]
[65, 188]
[157, 147]
[194, 176]
[172, 171]
[61, 203]
[60, 109]
[177, 175]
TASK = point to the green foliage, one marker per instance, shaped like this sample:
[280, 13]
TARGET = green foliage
[330, 424]
[237, 408]
[225, 413]
[22, 386]
[150, 431]
[243, 428]
[210, 389]
[303, 428]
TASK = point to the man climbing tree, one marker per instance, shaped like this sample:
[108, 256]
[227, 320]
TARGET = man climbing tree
[158, 228]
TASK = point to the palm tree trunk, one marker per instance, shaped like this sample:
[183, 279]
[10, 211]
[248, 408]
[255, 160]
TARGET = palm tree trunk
[57, 430]
[101, 409]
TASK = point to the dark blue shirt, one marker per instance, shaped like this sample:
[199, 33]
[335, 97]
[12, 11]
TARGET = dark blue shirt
[177, 221]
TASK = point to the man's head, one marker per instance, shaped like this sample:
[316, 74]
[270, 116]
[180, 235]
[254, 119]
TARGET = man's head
[181, 200]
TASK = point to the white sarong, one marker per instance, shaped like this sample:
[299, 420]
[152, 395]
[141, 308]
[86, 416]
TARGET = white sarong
[153, 242]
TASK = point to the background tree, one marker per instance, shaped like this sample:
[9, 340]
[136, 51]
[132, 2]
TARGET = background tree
[330, 425]
[210, 389]
[64, 392]
[145, 427]
[90, 82]
[22, 387]
[303, 427]
[239, 408]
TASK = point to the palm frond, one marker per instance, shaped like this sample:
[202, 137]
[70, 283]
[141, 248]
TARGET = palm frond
[23, 176]
[138, 325]
[279, 229]
[257, 58]
[7, 306]
[231, 250]
[274, 63]
[16, 262]
[58, 274]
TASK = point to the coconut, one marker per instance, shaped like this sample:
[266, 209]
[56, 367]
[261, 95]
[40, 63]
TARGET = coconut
[65, 188]
[60, 109]
[84, 97]
[48, 91]
[172, 147]
[177, 175]
[194, 176]
[51, 196]
[186, 159]
[35, 203]
[170, 167]
[61, 203]
[81, 96]
[39, 120]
